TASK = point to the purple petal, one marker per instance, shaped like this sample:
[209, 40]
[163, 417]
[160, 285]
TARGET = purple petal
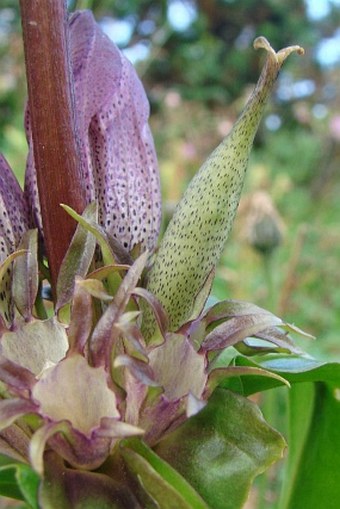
[12, 409]
[80, 394]
[81, 318]
[279, 338]
[216, 376]
[116, 429]
[157, 308]
[18, 379]
[105, 334]
[66, 488]
[121, 168]
[36, 344]
[133, 339]
[80, 451]
[178, 368]
[14, 442]
[237, 329]
[139, 369]
[161, 417]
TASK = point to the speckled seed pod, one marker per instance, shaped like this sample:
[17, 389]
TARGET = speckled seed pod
[196, 235]
[119, 164]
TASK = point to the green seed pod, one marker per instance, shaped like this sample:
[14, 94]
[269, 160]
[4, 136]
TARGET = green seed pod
[195, 237]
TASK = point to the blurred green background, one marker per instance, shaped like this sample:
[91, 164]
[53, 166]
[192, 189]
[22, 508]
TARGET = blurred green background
[198, 67]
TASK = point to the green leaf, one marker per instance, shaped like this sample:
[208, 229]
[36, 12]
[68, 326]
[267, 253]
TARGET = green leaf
[28, 482]
[294, 368]
[313, 465]
[222, 449]
[166, 486]
[20, 482]
[313, 474]
[8, 483]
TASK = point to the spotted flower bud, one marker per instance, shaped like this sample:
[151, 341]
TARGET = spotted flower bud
[196, 235]
[13, 224]
[13, 213]
[119, 164]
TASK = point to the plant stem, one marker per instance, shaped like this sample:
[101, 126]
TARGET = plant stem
[56, 153]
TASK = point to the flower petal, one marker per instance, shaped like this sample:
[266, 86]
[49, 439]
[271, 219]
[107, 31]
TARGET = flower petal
[237, 329]
[116, 429]
[81, 318]
[139, 369]
[14, 443]
[178, 368]
[68, 488]
[80, 394]
[160, 415]
[80, 451]
[26, 275]
[105, 333]
[38, 443]
[216, 376]
[15, 377]
[36, 344]
[12, 409]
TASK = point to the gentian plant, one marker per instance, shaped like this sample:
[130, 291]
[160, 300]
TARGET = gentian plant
[121, 387]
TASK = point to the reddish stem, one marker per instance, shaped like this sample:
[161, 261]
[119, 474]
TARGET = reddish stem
[56, 153]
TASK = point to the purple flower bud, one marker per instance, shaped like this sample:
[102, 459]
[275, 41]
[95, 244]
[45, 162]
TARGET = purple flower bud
[119, 164]
[13, 213]
[13, 224]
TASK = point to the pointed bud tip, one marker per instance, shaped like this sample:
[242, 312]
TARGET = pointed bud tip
[280, 56]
